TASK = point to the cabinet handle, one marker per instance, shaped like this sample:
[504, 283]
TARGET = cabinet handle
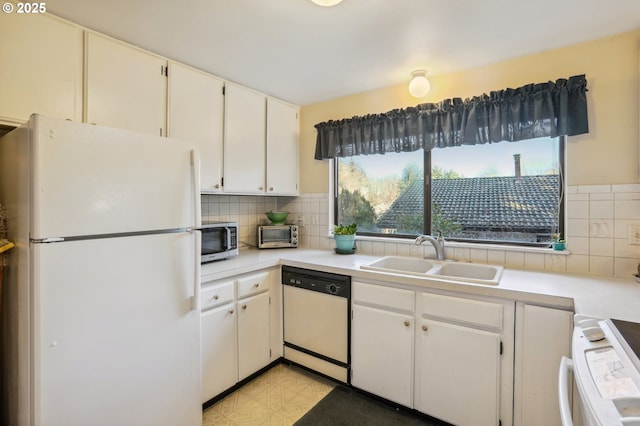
[425, 328]
[216, 297]
[244, 307]
[231, 311]
[256, 285]
[407, 323]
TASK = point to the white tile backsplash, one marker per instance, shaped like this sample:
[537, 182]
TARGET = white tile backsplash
[598, 218]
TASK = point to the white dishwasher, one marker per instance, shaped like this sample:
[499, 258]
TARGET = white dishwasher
[316, 320]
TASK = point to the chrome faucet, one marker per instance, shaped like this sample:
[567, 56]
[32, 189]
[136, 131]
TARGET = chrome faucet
[438, 244]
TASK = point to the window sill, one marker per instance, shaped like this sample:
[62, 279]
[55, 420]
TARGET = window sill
[479, 246]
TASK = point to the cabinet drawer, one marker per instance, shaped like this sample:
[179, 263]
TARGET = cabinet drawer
[460, 309]
[388, 297]
[253, 284]
[217, 294]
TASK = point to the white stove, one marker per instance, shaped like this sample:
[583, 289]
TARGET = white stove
[606, 369]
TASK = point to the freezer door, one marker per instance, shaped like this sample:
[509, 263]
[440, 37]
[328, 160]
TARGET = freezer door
[90, 180]
[116, 335]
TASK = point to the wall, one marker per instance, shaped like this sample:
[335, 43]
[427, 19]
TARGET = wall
[607, 155]
[602, 166]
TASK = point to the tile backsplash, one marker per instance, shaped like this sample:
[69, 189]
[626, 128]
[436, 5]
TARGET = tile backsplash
[599, 219]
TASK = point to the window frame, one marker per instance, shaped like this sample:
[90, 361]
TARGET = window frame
[427, 163]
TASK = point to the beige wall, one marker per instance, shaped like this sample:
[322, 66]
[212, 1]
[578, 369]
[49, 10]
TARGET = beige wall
[609, 154]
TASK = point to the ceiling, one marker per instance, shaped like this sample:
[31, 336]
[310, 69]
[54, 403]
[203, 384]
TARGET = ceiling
[304, 53]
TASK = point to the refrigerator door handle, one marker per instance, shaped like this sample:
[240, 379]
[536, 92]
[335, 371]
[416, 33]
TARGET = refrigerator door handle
[195, 301]
[195, 170]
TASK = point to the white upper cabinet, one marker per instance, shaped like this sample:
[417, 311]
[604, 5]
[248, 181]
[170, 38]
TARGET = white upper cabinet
[282, 148]
[41, 69]
[249, 142]
[195, 113]
[244, 140]
[125, 86]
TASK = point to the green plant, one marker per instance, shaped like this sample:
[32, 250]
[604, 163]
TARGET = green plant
[345, 229]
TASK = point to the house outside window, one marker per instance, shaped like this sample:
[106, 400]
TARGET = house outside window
[508, 192]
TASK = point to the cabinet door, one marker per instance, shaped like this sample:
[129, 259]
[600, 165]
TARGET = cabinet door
[382, 353]
[219, 350]
[41, 69]
[125, 86]
[253, 334]
[543, 336]
[282, 148]
[196, 109]
[457, 373]
[244, 140]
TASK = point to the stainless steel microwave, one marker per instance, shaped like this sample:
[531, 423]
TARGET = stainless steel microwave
[277, 236]
[219, 240]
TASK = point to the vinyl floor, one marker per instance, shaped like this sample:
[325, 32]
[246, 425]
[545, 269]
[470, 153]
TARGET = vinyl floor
[280, 396]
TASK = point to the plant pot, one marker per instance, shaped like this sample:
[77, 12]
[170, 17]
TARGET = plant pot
[558, 245]
[345, 243]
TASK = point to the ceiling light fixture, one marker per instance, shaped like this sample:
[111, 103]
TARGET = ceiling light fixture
[326, 2]
[419, 85]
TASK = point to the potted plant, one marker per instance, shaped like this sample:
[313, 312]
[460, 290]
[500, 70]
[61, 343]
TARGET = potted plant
[345, 236]
[557, 243]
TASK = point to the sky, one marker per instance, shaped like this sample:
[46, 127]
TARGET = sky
[536, 157]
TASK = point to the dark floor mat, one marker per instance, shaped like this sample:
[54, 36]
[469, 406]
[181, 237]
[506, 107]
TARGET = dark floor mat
[345, 406]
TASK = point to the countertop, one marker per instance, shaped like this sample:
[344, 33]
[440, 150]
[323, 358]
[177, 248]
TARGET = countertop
[603, 297]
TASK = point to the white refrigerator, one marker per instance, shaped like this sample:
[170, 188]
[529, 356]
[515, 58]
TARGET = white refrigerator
[100, 308]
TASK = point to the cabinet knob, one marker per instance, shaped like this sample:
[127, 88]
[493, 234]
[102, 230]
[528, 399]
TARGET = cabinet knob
[217, 186]
[407, 323]
[231, 311]
[271, 188]
[244, 307]
[425, 328]
[256, 285]
[216, 297]
[261, 188]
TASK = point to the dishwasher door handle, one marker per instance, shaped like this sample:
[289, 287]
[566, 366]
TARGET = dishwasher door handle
[566, 365]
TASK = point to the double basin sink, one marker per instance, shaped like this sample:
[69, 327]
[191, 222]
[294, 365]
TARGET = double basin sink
[446, 270]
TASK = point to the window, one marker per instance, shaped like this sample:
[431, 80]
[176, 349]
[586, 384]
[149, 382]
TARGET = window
[508, 192]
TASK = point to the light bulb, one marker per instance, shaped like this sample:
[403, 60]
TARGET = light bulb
[326, 2]
[419, 85]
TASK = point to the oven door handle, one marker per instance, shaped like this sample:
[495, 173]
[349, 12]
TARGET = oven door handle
[566, 365]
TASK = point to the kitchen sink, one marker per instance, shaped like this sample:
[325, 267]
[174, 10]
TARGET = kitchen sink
[426, 268]
[472, 272]
[400, 265]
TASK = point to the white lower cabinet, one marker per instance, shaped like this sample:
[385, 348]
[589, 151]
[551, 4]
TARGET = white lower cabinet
[382, 328]
[236, 330]
[253, 334]
[543, 336]
[219, 350]
[462, 368]
[382, 353]
[458, 373]
[447, 356]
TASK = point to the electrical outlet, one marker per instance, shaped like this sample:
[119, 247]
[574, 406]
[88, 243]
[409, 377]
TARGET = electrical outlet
[634, 235]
